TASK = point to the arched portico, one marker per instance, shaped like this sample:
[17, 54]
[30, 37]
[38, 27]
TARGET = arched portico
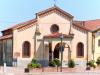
[54, 44]
[56, 51]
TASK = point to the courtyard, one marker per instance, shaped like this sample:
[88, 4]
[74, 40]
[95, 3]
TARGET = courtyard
[49, 71]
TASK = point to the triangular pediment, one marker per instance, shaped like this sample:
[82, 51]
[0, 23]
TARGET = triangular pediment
[54, 9]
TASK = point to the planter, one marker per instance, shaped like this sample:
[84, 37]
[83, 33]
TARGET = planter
[88, 68]
[26, 70]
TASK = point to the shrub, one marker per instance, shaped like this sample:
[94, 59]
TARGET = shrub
[98, 61]
[92, 63]
[34, 61]
[38, 65]
[71, 64]
[29, 66]
[52, 64]
[33, 64]
[57, 62]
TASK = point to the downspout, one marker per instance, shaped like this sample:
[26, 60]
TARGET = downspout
[34, 46]
[87, 48]
[69, 47]
[93, 44]
[43, 56]
[12, 46]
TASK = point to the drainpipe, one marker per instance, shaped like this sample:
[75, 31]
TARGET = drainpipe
[87, 49]
[87, 58]
[13, 47]
[43, 56]
[93, 44]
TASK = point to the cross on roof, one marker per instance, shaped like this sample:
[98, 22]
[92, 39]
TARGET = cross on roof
[55, 1]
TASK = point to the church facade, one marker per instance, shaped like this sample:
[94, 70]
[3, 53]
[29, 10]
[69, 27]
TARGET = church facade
[45, 36]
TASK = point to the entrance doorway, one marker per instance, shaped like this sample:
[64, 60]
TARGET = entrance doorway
[56, 51]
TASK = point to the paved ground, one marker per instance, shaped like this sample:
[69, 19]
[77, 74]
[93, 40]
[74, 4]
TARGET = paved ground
[87, 73]
[48, 71]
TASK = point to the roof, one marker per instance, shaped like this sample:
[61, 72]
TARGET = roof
[56, 9]
[6, 37]
[90, 25]
[58, 35]
[79, 25]
[22, 24]
[39, 13]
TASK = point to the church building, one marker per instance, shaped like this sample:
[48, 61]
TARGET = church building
[52, 31]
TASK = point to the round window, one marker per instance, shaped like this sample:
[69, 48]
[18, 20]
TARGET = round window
[54, 28]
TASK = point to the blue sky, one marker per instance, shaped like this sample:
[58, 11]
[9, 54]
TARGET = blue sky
[16, 11]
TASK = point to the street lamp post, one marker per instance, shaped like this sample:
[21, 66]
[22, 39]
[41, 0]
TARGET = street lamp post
[61, 37]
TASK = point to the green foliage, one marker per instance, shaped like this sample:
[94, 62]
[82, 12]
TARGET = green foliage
[71, 64]
[55, 62]
[38, 65]
[92, 63]
[29, 66]
[34, 64]
[34, 61]
[98, 61]
[52, 64]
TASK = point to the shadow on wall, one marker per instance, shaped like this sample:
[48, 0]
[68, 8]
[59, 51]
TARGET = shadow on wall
[42, 55]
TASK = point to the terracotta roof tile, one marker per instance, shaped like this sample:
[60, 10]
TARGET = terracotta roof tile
[79, 25]
[90, 25]
[21, 24]
[58, 35]
[6, 37]
[55, 8]
[40, 13]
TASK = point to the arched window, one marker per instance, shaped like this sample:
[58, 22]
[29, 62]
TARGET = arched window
[26, 49]
[80, 50]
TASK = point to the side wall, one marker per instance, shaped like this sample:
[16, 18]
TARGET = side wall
[96, 46]
[79, 36]
[19, 37]
[90, 46]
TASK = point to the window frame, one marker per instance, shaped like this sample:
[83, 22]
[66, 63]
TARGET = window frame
[23, 47]
[79, 53]
[99, 43]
